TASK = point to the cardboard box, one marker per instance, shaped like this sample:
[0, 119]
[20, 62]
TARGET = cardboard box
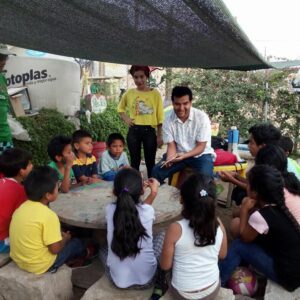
[16, 104]
[224, 191]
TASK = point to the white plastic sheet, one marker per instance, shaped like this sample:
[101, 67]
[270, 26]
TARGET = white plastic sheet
[17, 130]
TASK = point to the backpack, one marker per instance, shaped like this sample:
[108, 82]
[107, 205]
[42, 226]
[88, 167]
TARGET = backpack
[224, 158]
[219, 143]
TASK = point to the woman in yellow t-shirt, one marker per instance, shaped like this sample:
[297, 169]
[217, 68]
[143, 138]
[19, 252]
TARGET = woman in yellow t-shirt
[145, 109]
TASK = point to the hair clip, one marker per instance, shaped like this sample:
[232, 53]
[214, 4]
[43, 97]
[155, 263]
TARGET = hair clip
[125, 189]
[203, 193]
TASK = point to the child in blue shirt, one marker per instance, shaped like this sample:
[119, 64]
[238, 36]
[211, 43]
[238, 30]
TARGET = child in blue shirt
[287, 145]
[113, 159]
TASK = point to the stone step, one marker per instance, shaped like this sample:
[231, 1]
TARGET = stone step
[103, 289]
[4, 259]
[224, 294]
[277, 292]
[18, 284]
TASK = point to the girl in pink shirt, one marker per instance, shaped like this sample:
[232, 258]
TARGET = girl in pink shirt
[275, 157]
[270, 236]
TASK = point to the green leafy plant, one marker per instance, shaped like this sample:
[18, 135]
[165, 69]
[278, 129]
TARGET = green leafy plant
[237, 98]
[285, 108]
[41, 128]
[229, 97]
[102, 125]
[49, 123]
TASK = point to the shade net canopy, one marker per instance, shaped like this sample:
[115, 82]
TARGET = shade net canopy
[167, 33]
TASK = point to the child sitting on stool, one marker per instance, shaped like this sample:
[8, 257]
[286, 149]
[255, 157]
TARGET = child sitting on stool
[84, 166]
[62, 158]
[15, 164]
[37, 244]
[113, 159]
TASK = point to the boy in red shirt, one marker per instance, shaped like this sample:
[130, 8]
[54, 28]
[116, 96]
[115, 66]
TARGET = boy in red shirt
[15, 164]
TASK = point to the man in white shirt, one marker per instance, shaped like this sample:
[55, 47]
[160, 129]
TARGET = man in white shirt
[187, 133]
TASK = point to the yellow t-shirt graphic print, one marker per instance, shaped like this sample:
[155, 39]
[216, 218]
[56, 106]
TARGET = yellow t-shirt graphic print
[141, 107]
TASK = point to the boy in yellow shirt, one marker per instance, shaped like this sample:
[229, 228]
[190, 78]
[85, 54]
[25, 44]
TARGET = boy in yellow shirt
[36, 242]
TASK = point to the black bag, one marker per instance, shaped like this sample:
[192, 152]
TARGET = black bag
[219, 143]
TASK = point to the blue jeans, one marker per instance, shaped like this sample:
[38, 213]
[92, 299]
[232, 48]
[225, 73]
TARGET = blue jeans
[252, 254]
[4, 248]
[74, 248]
[203, 164]
[109, 176]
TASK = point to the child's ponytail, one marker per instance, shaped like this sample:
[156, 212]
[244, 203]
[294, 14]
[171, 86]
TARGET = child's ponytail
[128, 228]
[287, 212]
[274, 156]
[291, 182]
[268, 183]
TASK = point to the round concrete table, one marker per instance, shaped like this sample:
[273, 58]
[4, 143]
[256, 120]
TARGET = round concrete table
[85, 206]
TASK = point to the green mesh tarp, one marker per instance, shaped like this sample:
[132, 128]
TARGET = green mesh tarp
[168, 33]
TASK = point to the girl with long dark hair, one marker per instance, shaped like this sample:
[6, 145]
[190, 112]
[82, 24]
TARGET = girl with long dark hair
[274, 156]
[193, 245]
[270, 236]
[131, 259]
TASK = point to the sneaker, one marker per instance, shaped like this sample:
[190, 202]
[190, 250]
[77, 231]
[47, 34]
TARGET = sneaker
[91, 251]
[79, 262]
[157, 294]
